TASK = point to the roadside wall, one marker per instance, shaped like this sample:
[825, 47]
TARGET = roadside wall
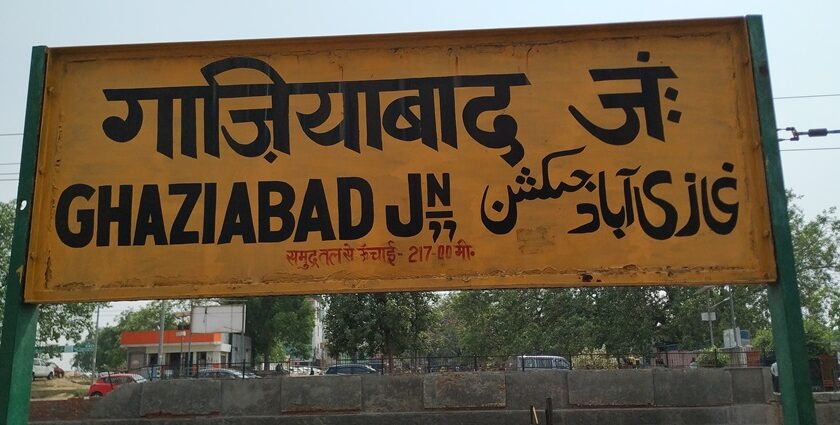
[741, 396]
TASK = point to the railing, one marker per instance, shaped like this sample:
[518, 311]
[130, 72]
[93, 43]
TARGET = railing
[824, 370]
[670, 359]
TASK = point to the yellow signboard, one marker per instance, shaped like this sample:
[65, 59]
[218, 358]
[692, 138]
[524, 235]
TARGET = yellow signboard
[582, 156]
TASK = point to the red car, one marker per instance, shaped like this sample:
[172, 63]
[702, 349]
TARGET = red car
[106, 384]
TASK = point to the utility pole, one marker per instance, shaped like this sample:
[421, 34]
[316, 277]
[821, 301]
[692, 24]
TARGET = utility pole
[736, 335]
[95, 341]
[242, 338]
[160, 343]
[711, 331]
[189, 343]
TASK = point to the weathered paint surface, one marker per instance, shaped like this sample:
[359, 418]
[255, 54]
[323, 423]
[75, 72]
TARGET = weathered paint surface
[606, 155]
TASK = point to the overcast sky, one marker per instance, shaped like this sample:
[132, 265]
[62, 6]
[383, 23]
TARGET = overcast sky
[802, 40]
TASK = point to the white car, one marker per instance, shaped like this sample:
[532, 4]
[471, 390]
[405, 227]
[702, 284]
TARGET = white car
[41, 370]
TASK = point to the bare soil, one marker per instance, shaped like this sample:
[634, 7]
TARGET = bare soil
[59, 388]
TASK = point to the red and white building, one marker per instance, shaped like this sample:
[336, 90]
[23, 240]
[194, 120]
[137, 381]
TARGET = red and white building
[181, 348]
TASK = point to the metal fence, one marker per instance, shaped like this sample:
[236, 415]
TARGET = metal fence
[824, 370]
[670, 359]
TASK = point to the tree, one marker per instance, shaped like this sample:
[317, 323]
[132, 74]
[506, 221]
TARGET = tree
[683, 326]
[503, 322]
[7, 224]
[363, 325]
[559, 321]
[637, 319]
[446, 333]
[819, 339]
[55, 321]
[109, 354]
[816, 249]
[279, 325]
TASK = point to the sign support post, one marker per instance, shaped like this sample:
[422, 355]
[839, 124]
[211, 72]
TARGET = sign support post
[20, 320]
[783, 295]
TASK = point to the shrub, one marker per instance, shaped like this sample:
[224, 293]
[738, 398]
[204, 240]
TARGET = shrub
[712, 357]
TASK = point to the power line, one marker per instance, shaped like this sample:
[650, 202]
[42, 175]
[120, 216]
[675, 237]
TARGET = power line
[814, 132]
[808, 96]
[810, 149]
[11, 134]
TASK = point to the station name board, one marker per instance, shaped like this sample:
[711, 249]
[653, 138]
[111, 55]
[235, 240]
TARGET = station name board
[606, 155]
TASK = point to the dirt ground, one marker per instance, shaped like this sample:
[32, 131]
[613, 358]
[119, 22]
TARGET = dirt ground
[60, 399]
[59, 389]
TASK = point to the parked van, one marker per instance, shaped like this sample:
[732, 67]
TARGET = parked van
[525, 363]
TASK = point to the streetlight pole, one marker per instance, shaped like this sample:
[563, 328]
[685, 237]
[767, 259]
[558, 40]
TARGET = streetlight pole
[95, 341]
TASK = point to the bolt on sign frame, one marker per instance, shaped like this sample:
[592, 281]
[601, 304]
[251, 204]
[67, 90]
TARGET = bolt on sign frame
[603, 155]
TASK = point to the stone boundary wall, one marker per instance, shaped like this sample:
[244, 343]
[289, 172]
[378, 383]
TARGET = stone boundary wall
[739, 396]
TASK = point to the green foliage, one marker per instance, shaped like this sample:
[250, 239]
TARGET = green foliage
[712, 357]
[279, 325]
[816, 248]
[55, 321]
[7, 224]
[636, 320]
[682, 323]
[763, 340]
[446, 331]
[819, 338]
[559, 321]
[109, 354]
[594, 358]
[533, 321]
[148, 316]
[364, 325]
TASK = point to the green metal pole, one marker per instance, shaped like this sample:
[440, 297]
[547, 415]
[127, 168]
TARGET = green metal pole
[20, 320]
[783, 295]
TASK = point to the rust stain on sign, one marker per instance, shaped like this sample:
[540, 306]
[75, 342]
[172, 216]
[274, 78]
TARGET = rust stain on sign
[605, 155]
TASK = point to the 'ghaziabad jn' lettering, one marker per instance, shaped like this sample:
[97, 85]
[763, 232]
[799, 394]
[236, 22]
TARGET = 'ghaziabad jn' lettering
[279, 215]
[267, 141]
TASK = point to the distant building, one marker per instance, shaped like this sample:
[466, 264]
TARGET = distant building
[201, 349]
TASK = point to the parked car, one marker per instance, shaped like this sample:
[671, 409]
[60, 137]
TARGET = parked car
[540, 363]
[152, 373]
[41, 370]
[59, 372]
[351, 369]
[106, 384]
[216, 373]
